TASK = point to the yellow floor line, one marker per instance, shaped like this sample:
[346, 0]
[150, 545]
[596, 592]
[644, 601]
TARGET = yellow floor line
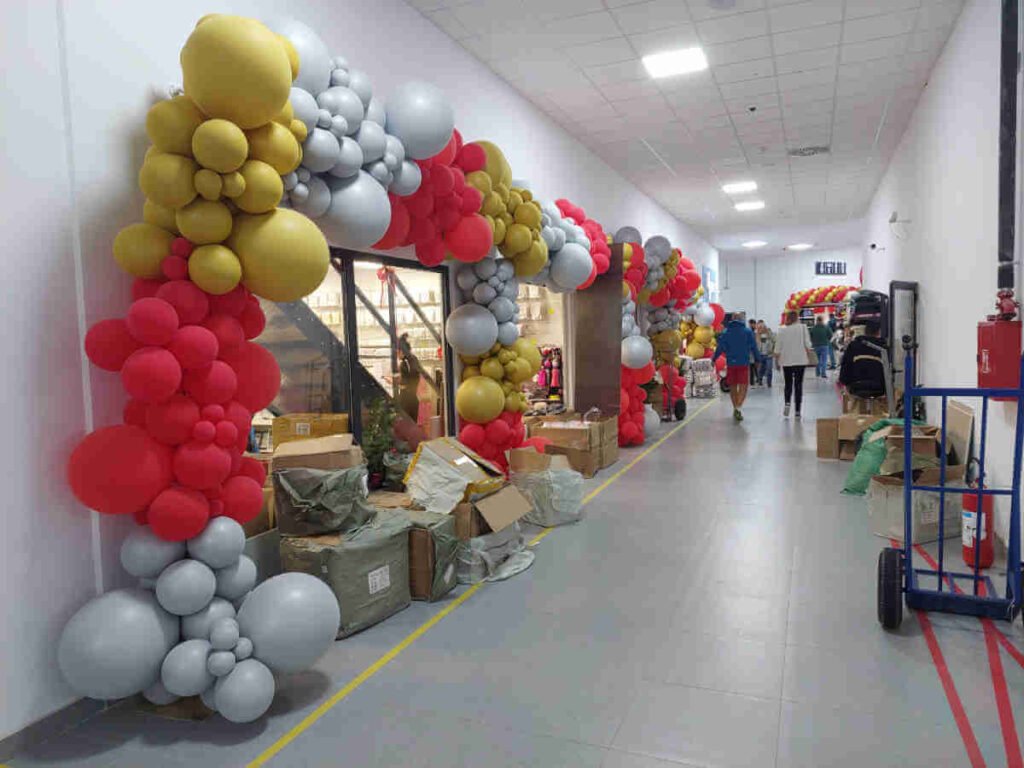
[383, 661]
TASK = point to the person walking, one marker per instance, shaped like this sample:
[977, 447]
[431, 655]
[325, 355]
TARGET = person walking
[753, 363]
[833, 327]
[792, 343]
[765, 338]
[737, 344]
[821, 339]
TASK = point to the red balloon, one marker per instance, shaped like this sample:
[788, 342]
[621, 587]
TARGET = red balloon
[420, 203]
[471, 239]
[448, 217]
[259, 377]
[446, 155]
[201, 465]
[174, 268]
[398, 229]
[236, 461]
[423, 230]
[442, 180]
[182, 247]
[240, 416]
[151, 374]
[217, 383]
[472, 199]
[720, 363]
[719, 313]
[498, 433]
[135, 413]
[143, 288]
[691, 280]
[250, 467]
[230, 303]
[212, 412]
[194, 347]
[227, 329]
[685, 263]
[152, 321]
[171, 422]
[623, 400]
[188, 300]
[252, 319]
[473, 436]
[118, 470]
[472, 158]
[660, 298]
[108, 344]
[242, 497]
[227, 434]
[178, 514]
[431, 252]
[204, 432]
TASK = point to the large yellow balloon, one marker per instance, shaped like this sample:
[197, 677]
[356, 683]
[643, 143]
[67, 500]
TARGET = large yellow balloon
[234, 67]
[497, 166]
[214, 268]
[263, 187]
[695, 350]
[139, 249]
[220, 145]
[274, 144]
[528, 350]
[533, 260]
[171, 123]
[204, 221]
[284, 255]
[168, 179]
[703, 334]
[159, 216]
[479, 399]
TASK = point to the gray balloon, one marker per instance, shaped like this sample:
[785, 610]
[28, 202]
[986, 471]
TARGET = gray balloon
[627, 235]
[350, 160]
[379, 171]
[219, 544]
[245, 693]
[508, 333]
[236, 579]
[314, 58]
[559, 237]
[185, 587]
[292, 619]
[340, 62]
[320, 150]
[547, 234]
[220, 663]
[571, 267]
[466, 278]
[114, 644]
[144, 554]
[184, 672]
[483, 293]
[209, 697]
[359, 214]
[502, 309]
[495, 282]
[657, 248]
[420, 115]
[318, 200]
[224, 634]
[394, 148]
[505, 269]
[471, 329]
[510, 288]
[305, 107]
[339, 100]
[340, 77]
[636, 352]
[359, 82]
[371, 140]
[486, 268]
[243, 648]
[199, 624]
[407, 179]
[376, 113]
[157, 694]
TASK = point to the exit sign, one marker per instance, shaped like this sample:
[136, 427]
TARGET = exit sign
[830, 267]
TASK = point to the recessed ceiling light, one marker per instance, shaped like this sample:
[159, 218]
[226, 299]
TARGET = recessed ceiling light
[750, 205]
[800, 246]
[739, 187]
[678, 62]
[755, 244]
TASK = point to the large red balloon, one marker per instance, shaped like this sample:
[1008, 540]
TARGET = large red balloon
[252, 319]
[187, 298]
[230, 303]
[152, 321]
[473, 436]
[178, 514]
[250, 467]
[151, 374]
[498, 433]
[471, 239]
[119, 470]
[431, 252]
[399, 226]
[194, 346]
[216, 383]
[240, 416]
[242, 497]
[200, 466]
[227, 329]
[171, 422]
[109, 343]
[259, 378]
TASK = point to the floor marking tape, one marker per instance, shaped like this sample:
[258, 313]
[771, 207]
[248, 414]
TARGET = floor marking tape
[384, 660]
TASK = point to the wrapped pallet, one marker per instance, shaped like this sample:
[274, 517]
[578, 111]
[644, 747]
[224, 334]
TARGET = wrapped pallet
[494, 556]
[555, 490]
[308, 502]
[432, 554]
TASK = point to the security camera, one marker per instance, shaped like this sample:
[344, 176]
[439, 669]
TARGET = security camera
[873, 246]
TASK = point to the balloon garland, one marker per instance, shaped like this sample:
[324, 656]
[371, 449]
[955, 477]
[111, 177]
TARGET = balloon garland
[822, 295]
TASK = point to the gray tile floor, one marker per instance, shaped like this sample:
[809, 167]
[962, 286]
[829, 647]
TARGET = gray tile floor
[716, 608]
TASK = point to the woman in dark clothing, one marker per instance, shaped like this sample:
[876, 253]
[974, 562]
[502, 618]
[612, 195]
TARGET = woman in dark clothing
[408, 379]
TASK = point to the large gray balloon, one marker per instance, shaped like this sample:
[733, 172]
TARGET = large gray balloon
[508, 333]
[627, 235]
[144, 554]
[292, 619]
[571, 267]
[471, 329]
[314, 58]
[349, 161]
[185, 587]
[320, 150]
[359, 82]
[157, 694]
[502, 309]
[219, 544]
[305, 107]
[184, 671]
[236, 579]
[486, 268]
[318, 198]
[375, 111]
[339, 100]
[245, 693]
[200, 623]
[636, 352]
[114, 645]
[370, 138]
[407, 179]
[420, 116]
[658, 248]
[359, 214]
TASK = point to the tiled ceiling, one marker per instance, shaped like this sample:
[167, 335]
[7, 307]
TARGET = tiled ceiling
[783, 74]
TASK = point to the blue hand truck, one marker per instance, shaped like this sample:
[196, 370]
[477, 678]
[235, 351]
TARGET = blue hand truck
[897, 575]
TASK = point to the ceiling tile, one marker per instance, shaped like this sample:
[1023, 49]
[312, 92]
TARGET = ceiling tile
[809, 77]
[747, 88]
[696, 123]
[807, 108]
[545, 10]
[667, 39]
[740, 50]
[744, 70]
[856, 9]
[873, 27]
[702, 9]
[448, 22]
[634, 89]
[766, 115]
[809, 14]
[738, 27]
[645, 109]
[486, 16]
[873, 49]
[621, 72]
[938, 14]
[691, 82]
[874, 71]
[804, 60]
[601, 52]
[651, 15]
[803, 95]
[698, 111]
[806, 39]
[761, 102]
[928, 40]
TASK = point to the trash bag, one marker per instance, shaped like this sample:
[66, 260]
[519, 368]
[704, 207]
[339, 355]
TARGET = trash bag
[870, 455]
[556, 496]
[494, 556]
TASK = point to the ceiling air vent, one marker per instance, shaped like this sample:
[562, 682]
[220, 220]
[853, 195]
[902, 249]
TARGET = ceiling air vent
[809, 151]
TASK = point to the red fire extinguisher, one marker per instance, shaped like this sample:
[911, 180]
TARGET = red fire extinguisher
[986, 550]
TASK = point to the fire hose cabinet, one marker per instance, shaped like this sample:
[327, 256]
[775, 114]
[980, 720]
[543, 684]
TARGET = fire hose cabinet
[999, 348]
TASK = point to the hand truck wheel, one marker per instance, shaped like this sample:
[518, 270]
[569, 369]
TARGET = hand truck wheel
[890, 587]
[679, 409]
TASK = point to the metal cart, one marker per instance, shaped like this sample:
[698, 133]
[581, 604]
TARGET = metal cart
[940, 589]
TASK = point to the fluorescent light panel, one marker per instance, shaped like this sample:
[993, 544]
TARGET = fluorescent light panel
[754, 244]
[750, 205]
[739, 187]
[801, 246]
[678, 62]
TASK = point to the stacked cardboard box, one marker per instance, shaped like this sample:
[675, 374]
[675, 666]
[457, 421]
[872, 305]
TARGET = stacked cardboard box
[589, 445]
[303, 426]
[837, 438]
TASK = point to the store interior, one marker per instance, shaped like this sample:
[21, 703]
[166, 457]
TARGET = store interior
[567, 424]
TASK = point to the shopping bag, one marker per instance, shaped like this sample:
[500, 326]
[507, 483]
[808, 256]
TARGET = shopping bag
[812, 358]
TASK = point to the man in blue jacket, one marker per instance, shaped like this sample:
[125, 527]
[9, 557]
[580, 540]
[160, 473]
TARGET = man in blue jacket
[737, 343]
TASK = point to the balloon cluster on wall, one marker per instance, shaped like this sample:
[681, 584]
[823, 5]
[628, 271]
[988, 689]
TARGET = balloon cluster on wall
[212, 241]
[698, 332]
[821, 295]
[637, 352]
[570, 264]
[600, 253]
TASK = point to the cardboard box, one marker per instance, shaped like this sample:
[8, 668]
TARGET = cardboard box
[923, 440]
[828, 438]
[491, 513]
[531, 460]
[876, 406]
[264, 521]
[390, 500]
[334, 452]
[588, 445]
[443, 473]
[847, 450]
[885, 506]
[303, 426]
[959, 431]
[852, 424]
[433, 547]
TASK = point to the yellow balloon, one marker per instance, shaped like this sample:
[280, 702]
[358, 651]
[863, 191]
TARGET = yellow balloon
[492, 204]
[513, 402]
[292, 54]
[479, 399]
[220, 145]
[703, 334]
[232, 184]
[171, 123]
[263, 187]
[284, 255]
[234, 67]
[168, 179]
[470, 371]
[521, 370]
[159, 216]
[480, 181]
[298, 129]
[695, 350]
[514, 200]
[492, 369]
[527, 350]
[507, 386]
[625, 289]
[274, 145]
[139, 249]
[533, 260]
[528, 214]
[208, 184]
[214, 268]
[204, 221]
[470, 359]
[497, 166]
[518, 238]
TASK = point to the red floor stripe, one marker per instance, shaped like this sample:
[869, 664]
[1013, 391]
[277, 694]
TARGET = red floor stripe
[1011, 649]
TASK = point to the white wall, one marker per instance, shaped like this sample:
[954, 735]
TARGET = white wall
[761, 284]
[69, 184]
[944, 178]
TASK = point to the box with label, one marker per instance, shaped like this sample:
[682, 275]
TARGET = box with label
[303, 426]
[334, 452]
[828, 438]
[885, 506]
[444, 472]
[589, 445]
[491, 513]
[367, 569]
[432, 550]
